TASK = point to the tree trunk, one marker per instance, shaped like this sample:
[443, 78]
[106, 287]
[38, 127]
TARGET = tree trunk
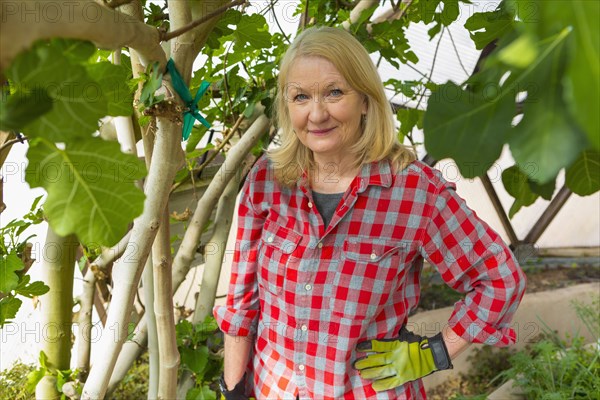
[150, 318]
[127, 272]
[215, 251]
[214, 256]
[58, 266]
[163, 309]
[86, 302]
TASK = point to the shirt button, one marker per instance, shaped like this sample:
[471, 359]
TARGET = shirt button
[301, 367]
[308, 286]
[270, 239]
[373, 256]
[320, 245]
[309, 204]
[304, 328]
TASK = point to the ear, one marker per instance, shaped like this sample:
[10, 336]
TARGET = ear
[365, 105]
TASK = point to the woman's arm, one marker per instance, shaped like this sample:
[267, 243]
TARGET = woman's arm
[472, 259]
[237, 351]
[454, 343]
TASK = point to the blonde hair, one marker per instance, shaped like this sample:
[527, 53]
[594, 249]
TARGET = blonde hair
[379, 139]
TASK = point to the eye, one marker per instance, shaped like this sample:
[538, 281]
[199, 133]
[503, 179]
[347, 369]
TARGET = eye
[336, 93]
[300, 97]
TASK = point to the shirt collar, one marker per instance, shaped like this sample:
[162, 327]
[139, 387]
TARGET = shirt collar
[377, 173]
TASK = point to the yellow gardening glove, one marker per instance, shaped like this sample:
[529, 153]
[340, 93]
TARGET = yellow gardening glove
[397, 361]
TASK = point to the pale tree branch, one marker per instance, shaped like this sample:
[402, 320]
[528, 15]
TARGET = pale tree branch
[223, 143]
[5, 136]
[394, 13]
[214, 258]
[109, 255]
[180, 31]
[357, 10]
[212, 267]
[163, 309]
[9, 143]
[213, 154]
[84, 328]
[131, 351]
[181, 48]
[150, 319]
[116, 3]
[78, 19]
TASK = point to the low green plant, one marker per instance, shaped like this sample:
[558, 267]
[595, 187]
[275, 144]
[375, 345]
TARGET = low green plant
[486, 363]
[134, 385]
[561, 369]
[199, 347]
[14, 264]
[13, 381]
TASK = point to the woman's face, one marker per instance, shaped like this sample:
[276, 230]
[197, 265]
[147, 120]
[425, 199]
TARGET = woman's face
[324, 109]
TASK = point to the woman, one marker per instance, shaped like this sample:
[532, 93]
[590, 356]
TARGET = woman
[333, 229]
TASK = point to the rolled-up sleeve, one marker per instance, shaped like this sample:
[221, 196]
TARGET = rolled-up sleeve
[239, 316]
[474, 260]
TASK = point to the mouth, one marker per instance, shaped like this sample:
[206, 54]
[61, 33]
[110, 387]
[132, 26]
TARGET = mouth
[321, 131]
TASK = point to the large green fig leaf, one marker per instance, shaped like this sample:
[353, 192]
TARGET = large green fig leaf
[78, 101]
[23, 107]
[9, 306]
[516, 184]
[583, 177]
[114, 87]
[468, 127]
[90, 185]
[486, 27]
[583, 74]
[9, 265]
[582, 78]
[547, 136]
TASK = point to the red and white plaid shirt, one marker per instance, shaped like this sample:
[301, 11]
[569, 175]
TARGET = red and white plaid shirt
[308, 294]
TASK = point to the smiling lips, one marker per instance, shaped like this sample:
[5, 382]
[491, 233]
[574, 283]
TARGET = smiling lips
[321, 131]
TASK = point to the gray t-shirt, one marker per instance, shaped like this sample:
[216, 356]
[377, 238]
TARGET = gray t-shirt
[326, 204]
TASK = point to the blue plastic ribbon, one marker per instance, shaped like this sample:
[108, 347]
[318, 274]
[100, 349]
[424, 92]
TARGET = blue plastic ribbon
[183, 91]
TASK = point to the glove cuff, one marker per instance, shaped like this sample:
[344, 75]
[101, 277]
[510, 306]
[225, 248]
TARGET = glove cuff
[238, 392]
[441, 357]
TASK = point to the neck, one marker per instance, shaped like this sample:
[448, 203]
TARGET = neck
[332, 176]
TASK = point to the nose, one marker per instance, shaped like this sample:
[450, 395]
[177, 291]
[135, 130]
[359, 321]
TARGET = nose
[318, 111]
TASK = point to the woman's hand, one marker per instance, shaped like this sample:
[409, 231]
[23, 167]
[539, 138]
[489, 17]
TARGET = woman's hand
[238, 392]
[401, 360]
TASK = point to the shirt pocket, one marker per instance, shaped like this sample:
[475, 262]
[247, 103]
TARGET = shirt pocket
[368, 274]
[276, 247]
